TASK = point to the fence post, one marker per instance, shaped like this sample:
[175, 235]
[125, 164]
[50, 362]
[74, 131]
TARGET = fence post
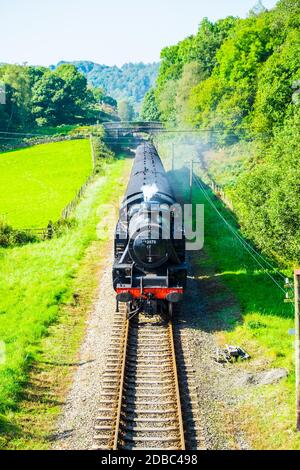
[93, 152]
[50, 230]
[297, 343]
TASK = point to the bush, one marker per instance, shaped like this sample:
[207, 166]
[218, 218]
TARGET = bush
[267, 195]
[102, 155]
[11, 237]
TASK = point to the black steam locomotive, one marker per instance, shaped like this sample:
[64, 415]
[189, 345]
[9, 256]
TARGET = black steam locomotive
[149, 271]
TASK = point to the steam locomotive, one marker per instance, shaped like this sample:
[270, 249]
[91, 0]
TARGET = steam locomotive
[149, 271]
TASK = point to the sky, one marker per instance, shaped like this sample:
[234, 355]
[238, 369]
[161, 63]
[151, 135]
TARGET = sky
[43, 32]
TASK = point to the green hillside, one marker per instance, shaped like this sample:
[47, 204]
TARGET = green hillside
[131, 81]
[38, 182]
[238, 82]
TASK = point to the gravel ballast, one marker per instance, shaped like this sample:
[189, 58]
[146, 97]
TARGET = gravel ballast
[199, 318]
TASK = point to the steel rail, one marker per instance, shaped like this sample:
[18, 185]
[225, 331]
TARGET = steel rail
[177, 390]
[136, 349]
[120, 398]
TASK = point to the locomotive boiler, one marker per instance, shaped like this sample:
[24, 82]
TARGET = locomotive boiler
[149, 271]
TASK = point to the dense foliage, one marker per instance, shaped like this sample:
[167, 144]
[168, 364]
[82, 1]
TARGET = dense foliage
[37, 96]
[240, 80]
[127, 83]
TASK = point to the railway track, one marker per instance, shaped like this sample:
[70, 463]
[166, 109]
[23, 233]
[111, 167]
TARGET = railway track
[147, 400]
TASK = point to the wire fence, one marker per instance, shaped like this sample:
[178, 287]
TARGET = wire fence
[219, 191]
[67, 211]
[49, 232]
[38, 232]
[260, 260]
[46, 233]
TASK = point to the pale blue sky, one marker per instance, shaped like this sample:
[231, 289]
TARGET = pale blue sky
[104, 31]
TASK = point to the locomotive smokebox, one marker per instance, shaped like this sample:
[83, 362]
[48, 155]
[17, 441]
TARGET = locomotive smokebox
[149, 235]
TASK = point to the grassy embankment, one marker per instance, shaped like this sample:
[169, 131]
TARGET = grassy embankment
[268, 412]
[36, 192]
[41, 326]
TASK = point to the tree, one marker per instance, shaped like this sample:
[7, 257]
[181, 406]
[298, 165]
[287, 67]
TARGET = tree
[149, 109]
[166, 101]
[48, 100]
[209, 40]
[38, 95]
[75, 95]
[125, 111]
[193, 74]
[278, 76]
[267, 195]
[16, 79]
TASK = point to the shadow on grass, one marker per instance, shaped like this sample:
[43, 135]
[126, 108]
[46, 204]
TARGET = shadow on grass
[66, 364]
[226, 282]
[8, 431]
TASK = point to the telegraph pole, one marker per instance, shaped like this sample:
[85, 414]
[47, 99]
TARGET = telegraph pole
[297, 342]
[191, 180]
[191, 187]
[173, 156]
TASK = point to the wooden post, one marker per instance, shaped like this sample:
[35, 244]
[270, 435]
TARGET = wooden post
[297, 343]
[50, 230]
[93, 152]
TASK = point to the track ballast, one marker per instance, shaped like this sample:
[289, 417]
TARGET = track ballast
[146, 401]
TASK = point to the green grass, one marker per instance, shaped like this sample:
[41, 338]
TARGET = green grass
[38, 182]
[268, 412]
[36, 282]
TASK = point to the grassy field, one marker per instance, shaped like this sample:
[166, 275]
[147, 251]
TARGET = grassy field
[37, 283]
[38, 182]
[268, 412]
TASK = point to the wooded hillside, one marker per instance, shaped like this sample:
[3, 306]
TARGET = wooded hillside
[129, 82]
[239, 79]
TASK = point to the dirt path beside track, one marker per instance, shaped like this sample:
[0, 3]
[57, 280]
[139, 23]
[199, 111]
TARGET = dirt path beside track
[75, 427]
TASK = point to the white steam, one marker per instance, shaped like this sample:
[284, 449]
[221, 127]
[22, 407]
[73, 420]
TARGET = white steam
[149, 190]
